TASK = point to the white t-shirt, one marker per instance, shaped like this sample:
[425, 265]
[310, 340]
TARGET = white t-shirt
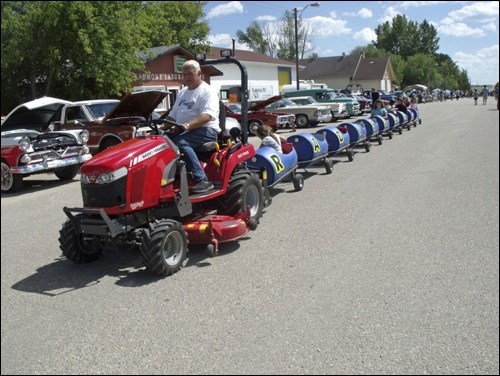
[272, 142]
[191, 103]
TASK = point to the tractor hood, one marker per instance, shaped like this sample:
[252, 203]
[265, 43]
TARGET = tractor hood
[128, 154]
[139, 103]
[262, 104]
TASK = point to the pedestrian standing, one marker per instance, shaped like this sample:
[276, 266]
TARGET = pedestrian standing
[485, 93]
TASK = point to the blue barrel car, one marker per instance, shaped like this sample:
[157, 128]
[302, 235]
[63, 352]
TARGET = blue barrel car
[274, 166]
[384, 124]
[312, 149]
[415, 116]
[404, 121]
[338, 141]
[373, 131]
[394, 123]
[357, 134]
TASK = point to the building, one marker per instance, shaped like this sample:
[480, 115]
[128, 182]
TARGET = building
[338, 72]
[266, 75]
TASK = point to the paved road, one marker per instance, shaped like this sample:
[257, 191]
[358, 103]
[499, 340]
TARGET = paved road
[389, 265]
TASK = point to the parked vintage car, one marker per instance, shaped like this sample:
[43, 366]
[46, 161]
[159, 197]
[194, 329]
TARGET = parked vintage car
[305, 115]
[275, 120]
[365, 104]
[110, 122]
[29, 146]
[328, 95]
[338, 110]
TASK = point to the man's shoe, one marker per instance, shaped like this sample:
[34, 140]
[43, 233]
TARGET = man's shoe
[202, 186]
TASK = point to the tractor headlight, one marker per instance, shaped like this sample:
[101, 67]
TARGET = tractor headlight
[84, 136]
[111, 176]
[105, 178]
[25, 144]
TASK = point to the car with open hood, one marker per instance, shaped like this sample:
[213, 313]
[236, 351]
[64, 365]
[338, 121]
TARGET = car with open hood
[258, 116]
[30, 147]
[305, 115]
[121, 122]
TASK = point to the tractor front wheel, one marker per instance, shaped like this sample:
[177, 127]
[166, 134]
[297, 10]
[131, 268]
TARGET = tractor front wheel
[79, 248]
[164, 247]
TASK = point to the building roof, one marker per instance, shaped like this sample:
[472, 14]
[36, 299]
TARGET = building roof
[372, 68]
[355, 66]
[250, 56]
[157, 52]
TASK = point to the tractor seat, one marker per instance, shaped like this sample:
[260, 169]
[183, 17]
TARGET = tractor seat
[204, 152]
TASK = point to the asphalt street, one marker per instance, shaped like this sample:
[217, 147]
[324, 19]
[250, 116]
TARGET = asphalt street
[388, 265]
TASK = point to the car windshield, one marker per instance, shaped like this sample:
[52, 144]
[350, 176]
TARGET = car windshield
[234, 107]
[284, 102]
[100, 110]
[308, 100]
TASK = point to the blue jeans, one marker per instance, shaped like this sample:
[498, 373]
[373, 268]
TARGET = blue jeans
[188, 142]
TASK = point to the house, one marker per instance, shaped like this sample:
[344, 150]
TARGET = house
[339, 72]
[164, 71]
[266, 75]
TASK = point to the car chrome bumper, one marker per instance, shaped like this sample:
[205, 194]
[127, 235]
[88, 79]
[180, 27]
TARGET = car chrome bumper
[49, 165]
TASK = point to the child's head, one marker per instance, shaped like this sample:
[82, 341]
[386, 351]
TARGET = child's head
[263, 131]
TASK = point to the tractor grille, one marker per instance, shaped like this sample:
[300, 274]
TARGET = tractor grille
[105, 195]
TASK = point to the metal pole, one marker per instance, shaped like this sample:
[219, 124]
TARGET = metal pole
[296, 48]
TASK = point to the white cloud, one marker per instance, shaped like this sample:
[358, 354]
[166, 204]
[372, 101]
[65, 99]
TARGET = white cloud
[460, 30]
[365, 35]
[362, 13]
[389, 14]
[327, 27]
[266, 18]
[225, 41]
[225, 9]
[475, 10]
[365, 13]
[490, 27]
[481, 66]
[418, 4]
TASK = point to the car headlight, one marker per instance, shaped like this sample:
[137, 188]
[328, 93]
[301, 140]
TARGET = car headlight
[25, 143]
[84, 136]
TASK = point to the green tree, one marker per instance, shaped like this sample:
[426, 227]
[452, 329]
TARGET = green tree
[406, 38]
[254, 38]
[419, 68]
[87, 49]
[280, 42]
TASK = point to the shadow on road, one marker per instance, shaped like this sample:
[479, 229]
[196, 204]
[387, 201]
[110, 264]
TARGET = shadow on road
[63, 276]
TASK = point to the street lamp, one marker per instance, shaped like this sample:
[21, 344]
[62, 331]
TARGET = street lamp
[295, 11]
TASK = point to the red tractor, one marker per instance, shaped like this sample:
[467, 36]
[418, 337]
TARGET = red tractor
[137, 194]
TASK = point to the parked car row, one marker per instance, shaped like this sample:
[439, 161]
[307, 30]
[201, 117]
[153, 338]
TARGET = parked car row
[52, 135]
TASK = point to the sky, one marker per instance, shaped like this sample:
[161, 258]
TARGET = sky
[468, 30]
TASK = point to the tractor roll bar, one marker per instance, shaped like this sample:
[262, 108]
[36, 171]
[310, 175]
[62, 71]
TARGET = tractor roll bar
[244, 91]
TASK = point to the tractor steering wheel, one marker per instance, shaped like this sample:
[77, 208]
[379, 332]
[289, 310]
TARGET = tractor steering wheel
[170, 127]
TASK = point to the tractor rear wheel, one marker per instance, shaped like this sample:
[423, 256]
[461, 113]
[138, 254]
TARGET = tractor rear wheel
[78, 248]
[164, 247]
[244, 190]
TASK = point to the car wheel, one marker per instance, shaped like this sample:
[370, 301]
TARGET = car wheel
[67, 173]
[108, 142]
[252, 127]
[301, 121]
[10, 182]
